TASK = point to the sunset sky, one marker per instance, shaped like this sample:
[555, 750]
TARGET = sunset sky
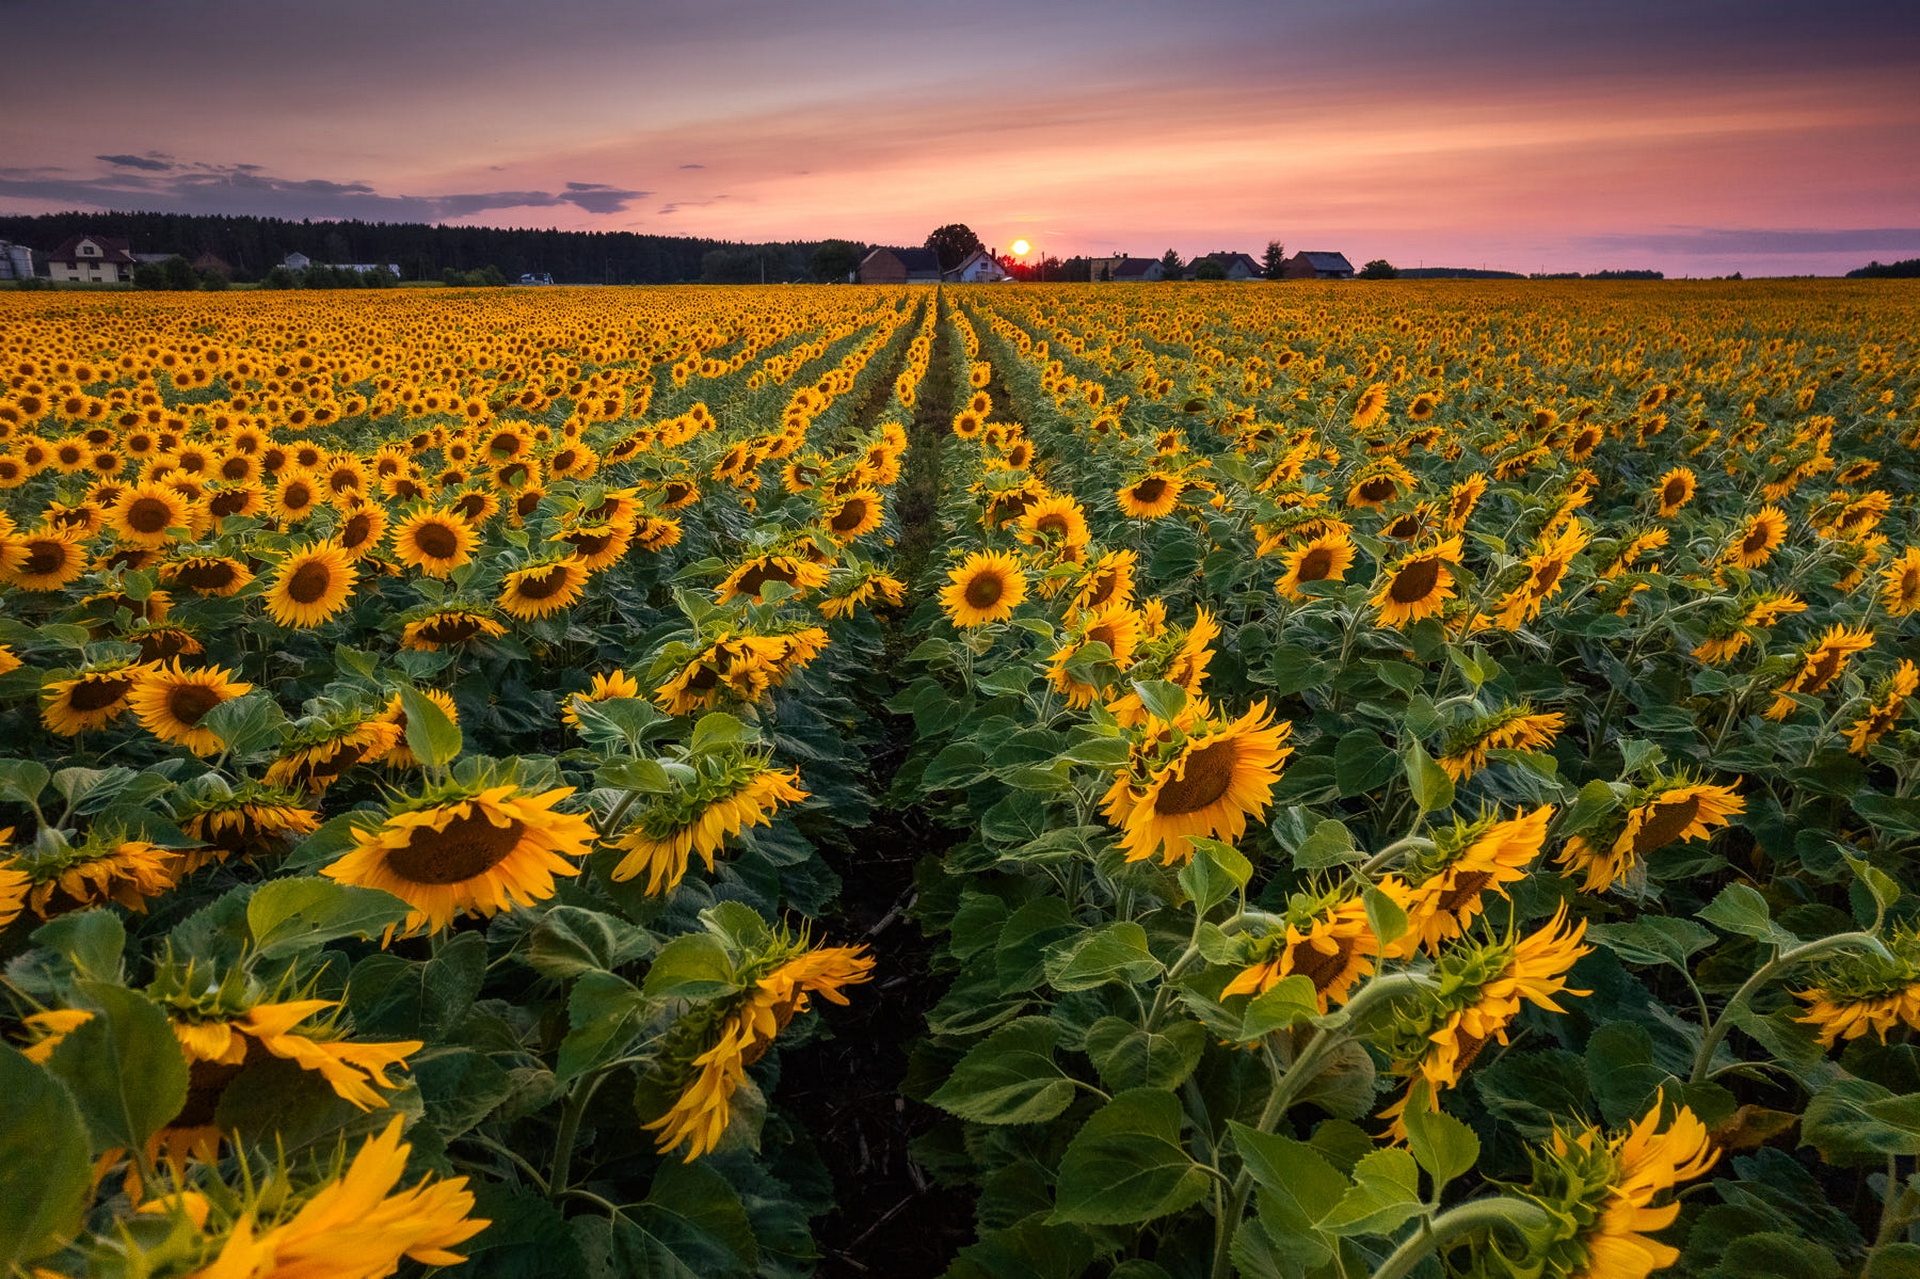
[1696, 138]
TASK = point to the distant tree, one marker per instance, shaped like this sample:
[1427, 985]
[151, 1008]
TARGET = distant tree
[834, 261]
[1209, 269]
[1106, 272]
[283, 277]
[214, 281]
[952, 243]
[1379, 269]
[1274, 262]
[1626, 275]
[176, 274]
[33, 284]
[1076, 270]
[1170, 263]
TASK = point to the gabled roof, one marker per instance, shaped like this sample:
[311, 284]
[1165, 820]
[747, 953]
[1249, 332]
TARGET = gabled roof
[917, 261]
[1327, 261]
[111, 250]
[1133, 266]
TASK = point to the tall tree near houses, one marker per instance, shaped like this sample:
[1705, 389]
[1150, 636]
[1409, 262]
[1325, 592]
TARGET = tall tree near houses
[1171, 265]
[952, 243]
[1274, 262]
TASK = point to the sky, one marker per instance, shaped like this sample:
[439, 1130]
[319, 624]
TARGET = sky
[1697, 137]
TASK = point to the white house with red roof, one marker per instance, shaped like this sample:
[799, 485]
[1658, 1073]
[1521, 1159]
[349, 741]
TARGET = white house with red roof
[98, 259]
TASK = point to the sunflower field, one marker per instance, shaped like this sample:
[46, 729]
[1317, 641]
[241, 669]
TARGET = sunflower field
[1261, 781]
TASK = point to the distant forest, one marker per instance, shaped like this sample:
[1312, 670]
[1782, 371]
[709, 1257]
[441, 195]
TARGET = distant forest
[1905, 269]
[251, 246]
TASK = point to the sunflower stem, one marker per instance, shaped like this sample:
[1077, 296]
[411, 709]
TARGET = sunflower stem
[570, 1115]
[1710, 1042]
[1518, 1215]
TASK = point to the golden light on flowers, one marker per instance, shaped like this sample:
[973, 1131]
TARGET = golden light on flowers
[1325, 558]
[868, 588]
[1900, 593]
[91, 699]
[1822, 665]
[1461, 500]
[1108, 581]
[1379, 483]
[1464, 750]
[250, 821]
[1759, 537]
[1220, 774]
[698, 1119]
[1672, 812]
[738, 666]
[1151, 497]
[986, 588]
[542, 589]
[1884, 712]
[103, 867]
[1675, 490]
[446, 627]
[1115, 626]
[44, 561]
[434, 541]
[400, 755]
[170, 702]
[669, 830]
[1370, 408]
[146, 512]
[854, 515]
[1417, 585]
[351, 1069]
[1326, 940]
[604, 687]
[355, 1227]
[1546, 567]
[311, 585]
[318, 757]
[747, 580]
[215, 576]
[466, 852]
[1445, 887]
[1057, 519]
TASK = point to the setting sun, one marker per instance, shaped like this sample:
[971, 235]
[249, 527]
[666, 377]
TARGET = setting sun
[1019, 248]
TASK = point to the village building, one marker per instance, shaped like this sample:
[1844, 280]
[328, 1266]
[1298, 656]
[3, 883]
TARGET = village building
[978, 267]
[16, 261]
[97, 259]
[1126, 270]
[1316, 266]
[1238, 266]
[300, 262]
[900, 266]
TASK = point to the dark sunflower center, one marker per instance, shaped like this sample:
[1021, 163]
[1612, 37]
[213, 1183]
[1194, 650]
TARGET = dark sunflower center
[540, 586]
[357, 529]
[45, 556]
[206, 576]
[1404, 528]
[850, 516]
[1103, 589]
[310, 582]
[1546, 575]
[450, 630]
[1150, 491]
[590, 543]
[436, 541]
[1664, 824]
[188, 702]
[1466, 890]
[1052, 523]
[232, 503]
[1755, 540]
[760, 574]
[1910, 584]
[984, 590]
[148, 515]
[1415, 582]
[1207, 776]
[1316, 565]
[1378, 489]
[1320, 968]
[98, 692]
[236, 468]
[466, 846]
[1823, 667]
[1675, 492]
[677, 493]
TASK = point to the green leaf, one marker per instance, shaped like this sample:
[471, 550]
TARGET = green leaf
[1019, 955]
[1110, 953]
[602, 1010]
[692, 1226]
[289, 915]
[1010, 680]
[1128, 1057]
[1330, 844]
[1298, 1189]
[1399, 675]
[1885, 889]
[1288, 1002]
[1655, 939]
[431, 735]
[91, 940]
[1386, 917]
[22, 780]
[1127, 1164]
[1595, 800]
[123, 1065]
[571, 940]
[1098, 752]
[643, 775]
[1009, 1078]
[1385, 1194]
[1361, 762]
[1441, 1144]
[1852, 1121]
[1163, 701]
[396, 997]
[1217, 872]
[45, 1172]
[1741, 909]
[247, 725]
[691, 966]
[717, 729]
[1432, 788]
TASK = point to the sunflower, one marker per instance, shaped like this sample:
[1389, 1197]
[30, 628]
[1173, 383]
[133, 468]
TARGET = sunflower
[170, 702]
[461, 851]
[252, 821]
[91, 699]
[363, 529]
[318, 756]
[1598, 1194]
[103, 867]
[145, 513]
[1444, 887]
[1626, 553]
[1546, 567]
[217, 1042]
[604, 688]
[1326, 940]
[400, 755]
[312, 584]
[742, 666]
[1116, 626]
[445, 627]
[1900, 595]
[1675, 490]
[297, 494]
[746, 581]
[869, 586]
[1822, 665]
[1206, 782]
[1889, 703]
[207, 575]
[853, 515]
[1673, 811]
[1325, 558]
[700, 819]
[434, 541]
[1151, 497]
[44, 561]
[1379, 483]
[1108, 581]
[698, 1118]
[1464, 752]
[1056, 519]
[1417, 584]
[543, 588]
[9, 661]
[1861, 992]
[1370, 408]
[986, 588]
[1759, 537]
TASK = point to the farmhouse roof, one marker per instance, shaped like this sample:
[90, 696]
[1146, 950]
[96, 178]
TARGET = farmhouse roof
[1127, 268]
[1327, 261]
[111, 250]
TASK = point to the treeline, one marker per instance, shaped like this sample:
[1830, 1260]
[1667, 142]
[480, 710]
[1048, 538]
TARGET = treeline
[1456, 273]
[252, 246]
[1905, 269]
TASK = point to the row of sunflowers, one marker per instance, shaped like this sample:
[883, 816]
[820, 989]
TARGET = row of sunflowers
[1426, 774]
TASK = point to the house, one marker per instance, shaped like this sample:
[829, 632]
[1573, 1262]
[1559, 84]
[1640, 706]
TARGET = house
[94, 258]
[16, 261]
[978, 267]
[296, 262]
[1238, 266]
[1134, 270]
[537, 277]
[300, 262]
[211, 261]
[900, 266]
[1316, 266]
